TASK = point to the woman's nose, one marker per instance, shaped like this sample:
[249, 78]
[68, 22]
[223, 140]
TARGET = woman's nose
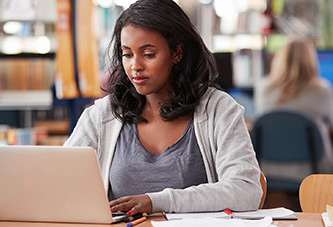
[137, 64]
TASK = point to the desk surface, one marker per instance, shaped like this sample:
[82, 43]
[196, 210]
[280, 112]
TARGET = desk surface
[304, 220]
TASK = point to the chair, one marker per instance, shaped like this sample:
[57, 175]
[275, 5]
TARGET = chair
[286, 136]
[315, 192]
[263, 183]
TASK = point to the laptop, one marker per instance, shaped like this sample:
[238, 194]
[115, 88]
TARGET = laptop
[52, 184]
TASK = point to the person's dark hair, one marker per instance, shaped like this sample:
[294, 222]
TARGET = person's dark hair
[189, 78]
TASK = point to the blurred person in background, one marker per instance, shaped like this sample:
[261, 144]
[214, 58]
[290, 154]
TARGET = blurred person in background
[293, 83]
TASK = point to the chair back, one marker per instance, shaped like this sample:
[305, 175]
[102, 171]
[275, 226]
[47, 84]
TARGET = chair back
[263, 183]
[287, 136]
[315, 192]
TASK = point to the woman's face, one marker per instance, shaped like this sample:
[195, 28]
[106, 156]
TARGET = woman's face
[147, 60]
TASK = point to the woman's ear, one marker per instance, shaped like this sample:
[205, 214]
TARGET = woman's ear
[177, 56]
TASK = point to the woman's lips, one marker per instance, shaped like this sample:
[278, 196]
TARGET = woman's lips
[140, 79]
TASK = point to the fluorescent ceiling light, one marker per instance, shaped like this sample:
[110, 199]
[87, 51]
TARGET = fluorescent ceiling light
[124, 3]
[43, 45]
[11, 45]
[205, 2]
[12, 27]
[104, 3]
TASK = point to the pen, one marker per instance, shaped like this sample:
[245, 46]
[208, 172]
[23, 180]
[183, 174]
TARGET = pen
[229, 212]
[232, 215]
[136, 222]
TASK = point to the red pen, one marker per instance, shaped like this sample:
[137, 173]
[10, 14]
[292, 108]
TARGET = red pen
[229, 212]
[232, 215]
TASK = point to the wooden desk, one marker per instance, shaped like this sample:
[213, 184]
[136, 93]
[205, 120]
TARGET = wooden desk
[304, 220]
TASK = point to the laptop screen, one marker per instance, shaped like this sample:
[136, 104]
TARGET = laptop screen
[52, 184]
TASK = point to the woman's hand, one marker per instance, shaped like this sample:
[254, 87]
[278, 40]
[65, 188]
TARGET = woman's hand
[132, 204]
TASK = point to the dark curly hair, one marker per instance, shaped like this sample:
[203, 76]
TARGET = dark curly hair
[189, 78]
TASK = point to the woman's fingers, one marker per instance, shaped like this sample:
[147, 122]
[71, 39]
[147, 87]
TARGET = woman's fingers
[133, 211]
[132, 204]
[121, 204]
[119, 201]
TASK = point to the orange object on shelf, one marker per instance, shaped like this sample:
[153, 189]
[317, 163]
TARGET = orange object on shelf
[87, 50]
[65, 73]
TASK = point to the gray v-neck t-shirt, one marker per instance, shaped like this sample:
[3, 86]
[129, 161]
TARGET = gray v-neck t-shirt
[134, 170]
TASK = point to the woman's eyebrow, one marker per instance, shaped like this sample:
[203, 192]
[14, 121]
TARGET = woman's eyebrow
[142, 47]
[147, 45]
[125, 47]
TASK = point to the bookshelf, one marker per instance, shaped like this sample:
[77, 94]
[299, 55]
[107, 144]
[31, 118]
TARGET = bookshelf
[27, 67]
[47, 66]
[25, 100]
[27, 52]
[25, 81]
[237, 29]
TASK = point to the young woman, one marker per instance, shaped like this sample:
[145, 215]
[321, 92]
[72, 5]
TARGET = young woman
[166, 139]
[293, 83]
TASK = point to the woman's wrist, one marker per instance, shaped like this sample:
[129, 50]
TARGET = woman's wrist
[160, 201]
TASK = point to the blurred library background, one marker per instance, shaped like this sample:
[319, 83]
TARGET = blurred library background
[52, 56]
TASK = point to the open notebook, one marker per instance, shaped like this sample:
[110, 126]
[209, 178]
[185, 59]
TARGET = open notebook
[279, 213]
[52, 184]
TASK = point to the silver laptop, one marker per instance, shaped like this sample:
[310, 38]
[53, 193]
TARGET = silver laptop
[52, 184]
